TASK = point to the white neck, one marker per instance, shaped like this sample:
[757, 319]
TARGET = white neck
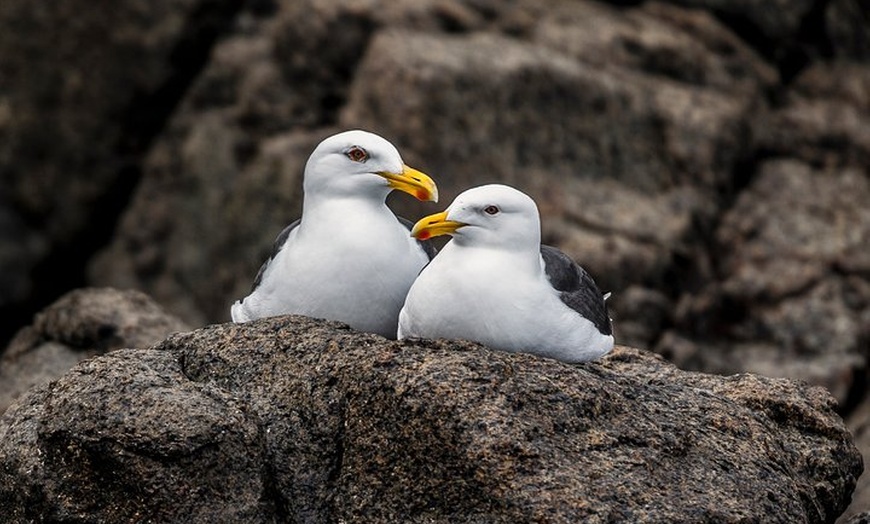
[526, 260]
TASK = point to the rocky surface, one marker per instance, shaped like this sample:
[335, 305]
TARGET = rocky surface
[79, 325]
[794, 299]
[291, 419]
[707, 161]
[80, 104]
[862, 518]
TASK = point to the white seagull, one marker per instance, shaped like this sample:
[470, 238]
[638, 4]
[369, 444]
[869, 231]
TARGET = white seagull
[348, 258]
[494, 283]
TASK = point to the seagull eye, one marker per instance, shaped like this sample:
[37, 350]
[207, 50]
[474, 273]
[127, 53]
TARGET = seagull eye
[491, 210]
[357, 154]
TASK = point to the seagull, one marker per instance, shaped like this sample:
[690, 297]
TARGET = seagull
[494, 283]
[348, 258]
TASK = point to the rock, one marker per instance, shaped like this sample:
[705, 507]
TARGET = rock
[825, 119]
[167, 242]
[847, 27]
[296, 419]
[657, 40]
[571, 104]
[79, 325]
[79, 105]
[625, 151]
[171, 139]
[522, 107]
[862, 518]
[859, 425]
[794, 300]
[779, 21]
[647, 314]
[623, 236]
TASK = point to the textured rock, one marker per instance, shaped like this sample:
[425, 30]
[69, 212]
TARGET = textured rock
[645, 130]
[501, 107]
[795, 297]
[847, 27]
[523, 98]
[79, 104]
[825, 119]
[859, 425]
[295, 419]
[184, 236]
[780, 20]
[687, 46]
[862, 518]
[81, 324]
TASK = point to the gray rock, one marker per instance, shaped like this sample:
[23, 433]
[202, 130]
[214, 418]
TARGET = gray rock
[859, 425]
[862, 518]
[79, 104]
[485, 107]
[624, 150]
[79, 325]
[290, 419]
[643, 314]
[778, 21]
[515, 94]
[658, 40]
[646, 131]
[794, 300]
[847, 27]
[825, 119]
[197, 250]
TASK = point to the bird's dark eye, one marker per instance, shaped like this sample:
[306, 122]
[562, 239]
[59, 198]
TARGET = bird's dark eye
[357, 154]
[491, 210]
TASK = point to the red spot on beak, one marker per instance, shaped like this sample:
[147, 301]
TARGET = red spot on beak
[422, 194]
[424, 235]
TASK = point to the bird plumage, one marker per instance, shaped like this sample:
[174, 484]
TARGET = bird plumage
[348, 258]
[496, 284]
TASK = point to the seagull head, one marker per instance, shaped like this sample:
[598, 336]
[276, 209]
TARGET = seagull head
[494, 216]
[359, 163]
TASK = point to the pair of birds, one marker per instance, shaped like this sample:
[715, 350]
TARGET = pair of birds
[349, 258]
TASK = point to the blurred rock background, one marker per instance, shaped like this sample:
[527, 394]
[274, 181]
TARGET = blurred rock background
[707, 161]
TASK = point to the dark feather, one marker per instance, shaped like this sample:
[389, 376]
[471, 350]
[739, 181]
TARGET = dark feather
[577, 289]
[280, 240]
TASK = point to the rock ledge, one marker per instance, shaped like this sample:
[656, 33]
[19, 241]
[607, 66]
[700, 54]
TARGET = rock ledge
[292, 419]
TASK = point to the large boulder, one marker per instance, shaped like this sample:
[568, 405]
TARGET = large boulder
[289, 419]
[81, 324]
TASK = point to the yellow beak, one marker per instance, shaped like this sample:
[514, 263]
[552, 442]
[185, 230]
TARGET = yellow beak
[434, 225]
[413, 182]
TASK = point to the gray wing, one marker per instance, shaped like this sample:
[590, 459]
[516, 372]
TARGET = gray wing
[280, 240]
[577, 289]
[427, 245]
